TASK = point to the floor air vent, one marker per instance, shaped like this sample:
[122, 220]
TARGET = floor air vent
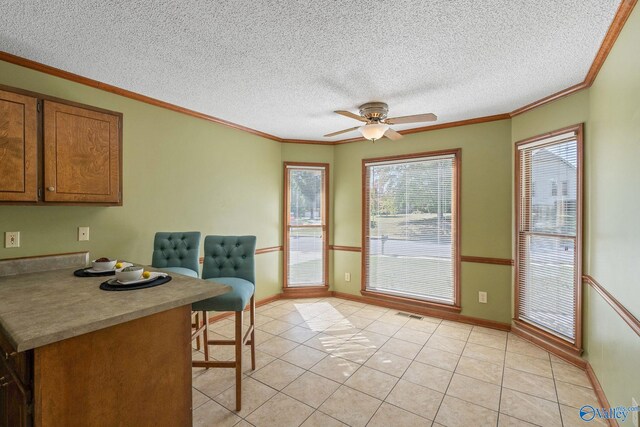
[412, 316]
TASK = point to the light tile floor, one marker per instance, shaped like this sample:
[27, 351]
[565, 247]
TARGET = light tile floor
[333, 362]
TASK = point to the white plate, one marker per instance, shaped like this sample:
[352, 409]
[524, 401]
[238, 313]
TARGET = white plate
[154, 276]
[124, 265]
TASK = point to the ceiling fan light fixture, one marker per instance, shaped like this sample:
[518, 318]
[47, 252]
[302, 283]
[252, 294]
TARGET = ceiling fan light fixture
[373, 131]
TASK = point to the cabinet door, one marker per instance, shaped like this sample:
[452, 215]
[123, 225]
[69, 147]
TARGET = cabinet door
[18, 147]
[14, 405]
[81, 155]
[14, 409]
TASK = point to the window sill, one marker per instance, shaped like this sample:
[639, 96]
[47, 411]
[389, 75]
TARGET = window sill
[416, 305]
[548, 341]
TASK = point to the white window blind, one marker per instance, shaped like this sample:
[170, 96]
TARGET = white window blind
[305, 226]
[547, 234]
[409, 237]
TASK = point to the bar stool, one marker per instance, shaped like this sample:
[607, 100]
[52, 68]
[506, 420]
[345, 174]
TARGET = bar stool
[177, 252]
[229, 260]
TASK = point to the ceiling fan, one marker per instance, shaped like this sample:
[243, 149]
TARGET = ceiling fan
[374, 115]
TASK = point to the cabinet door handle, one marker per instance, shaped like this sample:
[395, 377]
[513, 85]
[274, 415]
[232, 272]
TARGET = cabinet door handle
[51, 188]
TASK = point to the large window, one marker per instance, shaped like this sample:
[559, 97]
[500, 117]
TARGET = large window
[306, 216]
[410, 227]
[548, 228]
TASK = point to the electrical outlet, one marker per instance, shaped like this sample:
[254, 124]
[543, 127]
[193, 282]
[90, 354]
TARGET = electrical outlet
[482, 297]
[347, 277]
[634, 414]
[12, 239]
[83, 233]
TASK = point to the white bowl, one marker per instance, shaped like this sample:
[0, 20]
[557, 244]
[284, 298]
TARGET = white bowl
[104, 266]
[127, 276]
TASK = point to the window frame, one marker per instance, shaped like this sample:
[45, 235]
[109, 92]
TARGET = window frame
[455, 230]
[321, 288]
[522, 324]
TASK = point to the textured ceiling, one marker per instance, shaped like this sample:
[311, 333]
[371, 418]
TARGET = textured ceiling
[283, 66]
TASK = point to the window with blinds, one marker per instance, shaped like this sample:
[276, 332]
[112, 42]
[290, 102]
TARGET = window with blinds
[410, 227]
[305, 225]
[548, 233]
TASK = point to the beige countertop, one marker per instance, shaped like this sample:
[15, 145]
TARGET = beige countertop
[40, 308]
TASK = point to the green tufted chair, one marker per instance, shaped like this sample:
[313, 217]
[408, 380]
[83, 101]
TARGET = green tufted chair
[177, 252]
[230, 260]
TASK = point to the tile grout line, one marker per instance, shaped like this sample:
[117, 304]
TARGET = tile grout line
[528, 394]
[555, 387]
[504, 366]
[382, 401]
[505, 351]
[451, 379]
[349, 339]
[280, 391]
[344, 383]
[374, 350]
[267, 385]
[412, 360]
[309, 370]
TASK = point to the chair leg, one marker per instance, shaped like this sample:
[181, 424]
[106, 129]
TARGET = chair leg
[239, 339]
[252, 321]
[198, 324]
[205, 333]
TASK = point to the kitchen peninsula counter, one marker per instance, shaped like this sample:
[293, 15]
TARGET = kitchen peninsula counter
[41, 308]
[73, 354]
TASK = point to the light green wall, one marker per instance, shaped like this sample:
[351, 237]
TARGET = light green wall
[485, 210]
[564, 112]
[613, 233]
[180, 173]
[610, 110]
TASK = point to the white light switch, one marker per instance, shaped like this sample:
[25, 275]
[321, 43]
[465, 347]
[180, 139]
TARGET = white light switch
[482, 297]
[83, 233]
[12, 239]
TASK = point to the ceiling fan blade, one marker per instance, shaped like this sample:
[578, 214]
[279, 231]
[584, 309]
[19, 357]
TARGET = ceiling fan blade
[416, 118]
[341, 132]
[351, 115]
[392, 134]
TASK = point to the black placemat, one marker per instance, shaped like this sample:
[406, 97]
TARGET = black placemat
[107, 286]
[84, 273]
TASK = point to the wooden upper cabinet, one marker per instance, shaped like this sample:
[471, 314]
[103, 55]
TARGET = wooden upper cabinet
[54, 151]
[18, 147]
[82, 154]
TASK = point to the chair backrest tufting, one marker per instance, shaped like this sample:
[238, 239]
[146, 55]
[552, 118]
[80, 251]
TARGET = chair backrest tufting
[176, 249]
[229, 256]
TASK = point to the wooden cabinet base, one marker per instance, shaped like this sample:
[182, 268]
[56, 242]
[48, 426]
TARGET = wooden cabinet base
[133, 374]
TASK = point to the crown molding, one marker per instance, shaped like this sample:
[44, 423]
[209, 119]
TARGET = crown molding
[620, 18]
[56, 72]
[406, 131]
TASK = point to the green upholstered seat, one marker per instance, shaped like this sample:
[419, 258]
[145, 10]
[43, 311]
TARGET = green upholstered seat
[235, 300]
[229, 260]
[180, 270]
[177, 252]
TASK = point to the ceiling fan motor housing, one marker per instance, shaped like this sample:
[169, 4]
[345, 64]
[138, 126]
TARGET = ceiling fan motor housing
[374, 111]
